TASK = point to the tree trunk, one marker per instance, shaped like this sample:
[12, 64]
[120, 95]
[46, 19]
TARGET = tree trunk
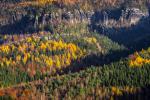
[36, 21]
[81, 17]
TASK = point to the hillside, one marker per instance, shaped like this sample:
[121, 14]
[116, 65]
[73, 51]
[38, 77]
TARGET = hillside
[74, 49]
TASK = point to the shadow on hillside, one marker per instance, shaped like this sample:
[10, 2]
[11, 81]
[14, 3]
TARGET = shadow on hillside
[96, 61]
[142, 94]
[19, 27]
[134, 37]
[99, 60]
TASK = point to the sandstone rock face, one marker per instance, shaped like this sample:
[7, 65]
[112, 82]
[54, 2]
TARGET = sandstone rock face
[12, 15]
[9, 13]
[118, 18]
[135, 14]
[21, 19]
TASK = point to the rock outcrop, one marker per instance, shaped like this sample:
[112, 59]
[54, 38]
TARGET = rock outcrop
[22, 19]
[118, 18]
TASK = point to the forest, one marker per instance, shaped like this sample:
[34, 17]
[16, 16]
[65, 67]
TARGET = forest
[74, 49]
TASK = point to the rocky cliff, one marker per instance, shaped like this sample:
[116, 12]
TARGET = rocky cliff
[22, 18]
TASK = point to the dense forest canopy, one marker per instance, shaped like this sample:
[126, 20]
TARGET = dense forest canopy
[74, 49]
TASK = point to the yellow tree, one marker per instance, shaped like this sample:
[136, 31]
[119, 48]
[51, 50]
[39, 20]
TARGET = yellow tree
[44, 2]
